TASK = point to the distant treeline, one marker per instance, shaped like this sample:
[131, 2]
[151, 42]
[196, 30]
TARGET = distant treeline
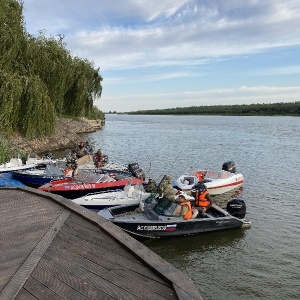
[40, 79]
[286, 109]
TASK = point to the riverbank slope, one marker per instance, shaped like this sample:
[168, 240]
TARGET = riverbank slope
[67, 135]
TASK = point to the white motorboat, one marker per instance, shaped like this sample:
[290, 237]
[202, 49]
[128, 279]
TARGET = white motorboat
[16, 164]
[131, 194]
[216, 182]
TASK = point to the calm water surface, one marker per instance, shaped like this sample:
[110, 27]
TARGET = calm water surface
[258, 263]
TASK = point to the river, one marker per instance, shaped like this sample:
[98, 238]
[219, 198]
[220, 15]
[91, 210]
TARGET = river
[262, 262]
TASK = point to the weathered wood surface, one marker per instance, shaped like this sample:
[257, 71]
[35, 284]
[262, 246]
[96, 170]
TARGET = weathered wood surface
[54, 249]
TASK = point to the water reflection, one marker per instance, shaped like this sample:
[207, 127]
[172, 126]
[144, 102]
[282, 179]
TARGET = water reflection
[187, 245]
[221, 200]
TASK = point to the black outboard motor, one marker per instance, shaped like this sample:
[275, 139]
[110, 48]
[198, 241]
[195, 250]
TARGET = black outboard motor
[229, 166]
[236, 207]
[136, 171]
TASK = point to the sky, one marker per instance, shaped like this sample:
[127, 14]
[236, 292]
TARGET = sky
[178, 53]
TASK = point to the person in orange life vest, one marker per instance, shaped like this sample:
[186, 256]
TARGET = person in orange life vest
[202, 198]
[187, 212]
[200, 175]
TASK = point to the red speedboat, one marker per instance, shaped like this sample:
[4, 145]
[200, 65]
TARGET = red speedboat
[86, 182]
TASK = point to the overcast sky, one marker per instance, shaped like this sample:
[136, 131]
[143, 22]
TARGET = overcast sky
[177, 53]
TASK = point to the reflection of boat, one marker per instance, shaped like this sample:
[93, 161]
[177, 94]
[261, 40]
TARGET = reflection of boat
[222, 199]
[185, 245]
[216, 182]
[39, 176]
[131, 194]
[158, 219]
[87, 182]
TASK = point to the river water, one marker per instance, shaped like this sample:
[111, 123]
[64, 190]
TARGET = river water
[262, 262]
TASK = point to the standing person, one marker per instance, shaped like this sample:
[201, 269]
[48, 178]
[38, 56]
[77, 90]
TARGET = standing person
[202, 198]
[165, 189]
[72, 162]
[81, 150]
[98, 159]
[186, 211]
[88, 147]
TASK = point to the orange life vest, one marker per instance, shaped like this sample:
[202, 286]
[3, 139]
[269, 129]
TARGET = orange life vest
[189, 213]
[200, 199]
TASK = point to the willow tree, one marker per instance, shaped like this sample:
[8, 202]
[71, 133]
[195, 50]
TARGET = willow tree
[39, 79]
[84, 86]
[12, 35]
[52, 63]
[25, 105]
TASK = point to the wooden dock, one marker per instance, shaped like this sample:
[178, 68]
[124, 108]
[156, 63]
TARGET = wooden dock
[51, 248]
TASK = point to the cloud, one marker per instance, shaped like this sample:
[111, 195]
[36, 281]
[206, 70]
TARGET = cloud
[161, 54]
[117, 36]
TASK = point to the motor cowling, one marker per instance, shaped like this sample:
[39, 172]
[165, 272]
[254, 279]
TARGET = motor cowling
[236, 207]
[229, 166]
[136, 171]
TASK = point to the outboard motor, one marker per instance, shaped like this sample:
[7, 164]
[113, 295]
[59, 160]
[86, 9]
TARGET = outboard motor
[229, 166]
[136, 171]
[236, 207]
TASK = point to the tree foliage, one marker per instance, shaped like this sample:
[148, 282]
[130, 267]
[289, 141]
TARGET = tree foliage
[39, 78]
[282, 108]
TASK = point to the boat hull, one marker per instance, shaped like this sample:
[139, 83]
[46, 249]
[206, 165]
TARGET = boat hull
[138, 224]
[215, 188]
[98, 201]
[167, 229]
[72, 190]
[34, 180]
[7, 180]
[214, 185]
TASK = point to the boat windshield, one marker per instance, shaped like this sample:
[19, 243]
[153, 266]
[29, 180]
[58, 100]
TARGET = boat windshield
[165, 207]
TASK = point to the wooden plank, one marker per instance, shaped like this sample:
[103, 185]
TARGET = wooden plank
[14, 285]
[110, 259]
[27, 231]
[68, 273]
[25, 295]
[11, 242]
[154, 262]
[93, 234]
[39, 290]
[5, 265]
[130, 276]
[82, 280]
[56, 285]
[29, 214]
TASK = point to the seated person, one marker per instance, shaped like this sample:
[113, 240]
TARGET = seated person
[202, 198]
[81, 150]
[151, 186]
[185, 209]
